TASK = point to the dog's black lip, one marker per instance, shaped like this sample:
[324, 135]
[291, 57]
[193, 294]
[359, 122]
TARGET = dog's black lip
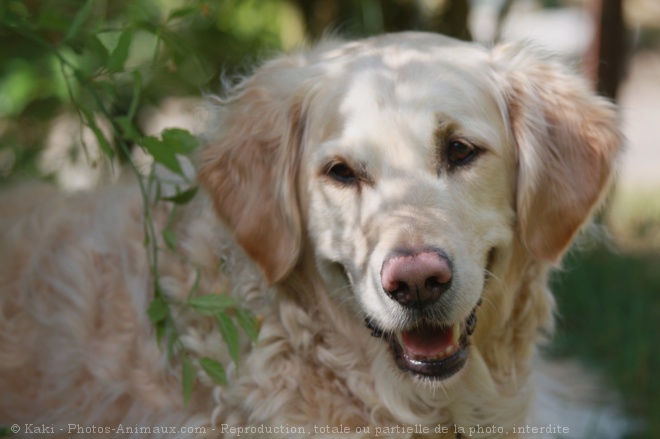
[375, 331]
[436, 369]
[431, 369]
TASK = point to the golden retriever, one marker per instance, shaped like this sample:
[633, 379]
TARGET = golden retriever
[390, 208]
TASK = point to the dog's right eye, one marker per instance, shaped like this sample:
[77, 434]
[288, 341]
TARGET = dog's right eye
[342, 173]
[460, 153]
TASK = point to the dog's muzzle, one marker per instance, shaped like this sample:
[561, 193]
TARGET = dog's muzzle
[430, 350]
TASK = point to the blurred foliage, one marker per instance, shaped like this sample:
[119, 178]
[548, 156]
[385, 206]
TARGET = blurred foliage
[124, 56]
[103, 62]
[111, 58]
[609, 317]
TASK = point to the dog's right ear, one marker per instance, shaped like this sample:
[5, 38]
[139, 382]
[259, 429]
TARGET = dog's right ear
[249, 168]
[568, 143]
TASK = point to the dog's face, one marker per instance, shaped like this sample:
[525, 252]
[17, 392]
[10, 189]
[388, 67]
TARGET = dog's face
[409, 188]
[407, 165]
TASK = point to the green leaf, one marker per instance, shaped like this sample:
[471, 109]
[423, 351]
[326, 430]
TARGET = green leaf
[97, 48]
[182, 12]
[161, 328]
[248, 322]
[109, 89]
[182, 197]
[5, 431]
[212, 303]
[158, 310]
[147, 27]
[214, 370]
[53, 20]
[180, 141]
[174, 41]
[172, 341]
[229, 333]
[161, 154]
[79, 20]
[100, 137]
[195, 286]
[120, 54]
[199, 69]
[137, 89]
[188, 379]
[128, 129]
[14, 10]
[169, 236]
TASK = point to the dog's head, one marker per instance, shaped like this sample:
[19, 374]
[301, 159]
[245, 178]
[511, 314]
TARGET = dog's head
[410, 168]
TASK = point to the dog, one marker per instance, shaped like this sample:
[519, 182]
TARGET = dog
[389, 209]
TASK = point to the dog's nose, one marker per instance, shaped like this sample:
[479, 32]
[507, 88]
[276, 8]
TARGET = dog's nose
[416, 279]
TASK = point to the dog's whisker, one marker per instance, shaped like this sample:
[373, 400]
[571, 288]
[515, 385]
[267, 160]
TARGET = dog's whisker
[340, 289]
[490, 303]
[490, 275]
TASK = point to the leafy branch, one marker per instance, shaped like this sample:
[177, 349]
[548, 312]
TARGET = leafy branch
[94, 70]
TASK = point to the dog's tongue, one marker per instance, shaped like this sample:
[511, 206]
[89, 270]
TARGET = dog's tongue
[431, 342]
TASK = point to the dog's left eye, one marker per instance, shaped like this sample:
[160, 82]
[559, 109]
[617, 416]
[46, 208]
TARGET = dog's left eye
[342, 173]
[460, 153]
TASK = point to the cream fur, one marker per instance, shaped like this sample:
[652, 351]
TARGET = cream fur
[77, 347]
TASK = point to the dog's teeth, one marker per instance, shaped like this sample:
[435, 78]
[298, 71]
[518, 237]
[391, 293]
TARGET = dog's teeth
[448, 352]
[456, 335]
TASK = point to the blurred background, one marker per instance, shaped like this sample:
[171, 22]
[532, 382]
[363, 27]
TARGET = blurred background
[83, 83]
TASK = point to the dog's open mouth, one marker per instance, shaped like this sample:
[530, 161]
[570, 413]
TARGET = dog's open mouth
[430, 350]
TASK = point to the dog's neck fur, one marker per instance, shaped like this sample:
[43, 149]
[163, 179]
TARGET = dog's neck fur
[319, 346]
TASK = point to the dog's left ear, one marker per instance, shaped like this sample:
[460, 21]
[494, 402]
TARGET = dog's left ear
[249, 168]
[567, 144]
